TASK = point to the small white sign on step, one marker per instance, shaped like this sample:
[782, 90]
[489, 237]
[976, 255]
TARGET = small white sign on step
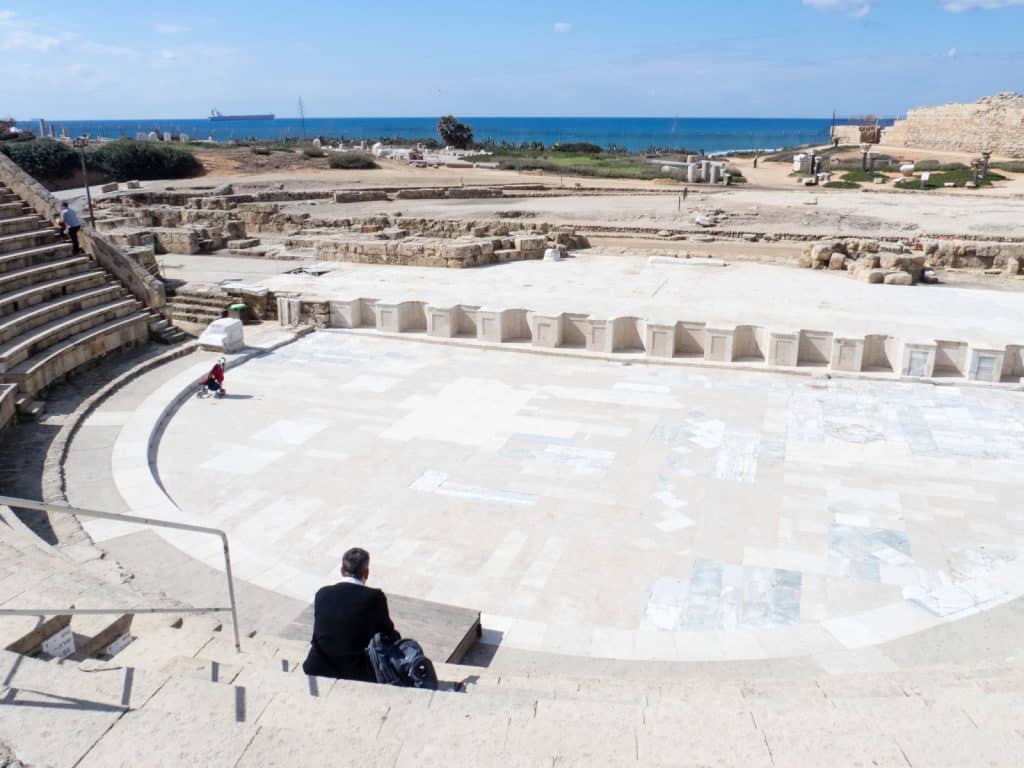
[119, 644]
[60, 645]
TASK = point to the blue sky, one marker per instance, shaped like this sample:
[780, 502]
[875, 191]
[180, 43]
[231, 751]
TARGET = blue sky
[773, 58]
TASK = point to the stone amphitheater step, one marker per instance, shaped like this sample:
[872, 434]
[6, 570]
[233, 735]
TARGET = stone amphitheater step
[52, 363]
[8, 394]
[12, 210]
[31, 239]
[9, 197]
[162, 331]
[18, 224]
[36, 315]
[36, 340]
[52, 270]
[38, 293]
[20, 259]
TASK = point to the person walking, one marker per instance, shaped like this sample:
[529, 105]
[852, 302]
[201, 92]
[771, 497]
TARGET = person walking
[69, 221]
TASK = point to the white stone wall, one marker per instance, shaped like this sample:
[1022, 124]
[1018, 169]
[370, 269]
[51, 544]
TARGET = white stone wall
[995, 123]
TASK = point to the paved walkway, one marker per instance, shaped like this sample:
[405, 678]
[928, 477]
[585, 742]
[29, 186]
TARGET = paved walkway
[605, 510]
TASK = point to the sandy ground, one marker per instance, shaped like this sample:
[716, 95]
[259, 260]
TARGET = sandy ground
[759, 210]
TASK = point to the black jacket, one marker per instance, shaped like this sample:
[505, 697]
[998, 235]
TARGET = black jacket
[346, 616]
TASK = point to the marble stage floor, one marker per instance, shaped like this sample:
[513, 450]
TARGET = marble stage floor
[608, 509]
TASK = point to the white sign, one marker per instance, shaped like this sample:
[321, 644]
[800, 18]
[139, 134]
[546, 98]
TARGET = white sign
[925, 176]
[60, 645]
[119, 644]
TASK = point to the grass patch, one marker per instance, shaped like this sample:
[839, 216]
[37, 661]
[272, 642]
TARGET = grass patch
[1013, 166]
[841, 185]
[352, 161]
[863, 177]
[958, 178]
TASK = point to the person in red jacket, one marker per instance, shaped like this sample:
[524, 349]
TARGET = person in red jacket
[214, 381]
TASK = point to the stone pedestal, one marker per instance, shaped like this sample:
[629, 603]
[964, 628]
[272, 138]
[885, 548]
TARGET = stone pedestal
[986, 364]
[547, 330]
[400, 316]
[499, 325]
[224, 335]
[442, 321]
[782, 347]
[660, 340]
[598, 335]
[719, 343]
[847, 354]
[917, 359]
[346, 313]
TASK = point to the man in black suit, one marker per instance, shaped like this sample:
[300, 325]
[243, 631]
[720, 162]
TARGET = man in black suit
[346, 616]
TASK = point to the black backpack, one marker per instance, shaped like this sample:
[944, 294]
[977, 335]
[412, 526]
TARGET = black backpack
[401, 663]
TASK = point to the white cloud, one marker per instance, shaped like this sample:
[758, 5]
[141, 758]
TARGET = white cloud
[171, 29]
[562, 27]
[959, 6]
[856, 9]
[167, 55]
[16, 34]
[860, 8]
[951, 53]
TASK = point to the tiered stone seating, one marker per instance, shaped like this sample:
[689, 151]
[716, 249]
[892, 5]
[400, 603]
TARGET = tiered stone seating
[57, 311]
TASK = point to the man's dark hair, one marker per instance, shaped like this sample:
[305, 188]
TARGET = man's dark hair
[355, 562]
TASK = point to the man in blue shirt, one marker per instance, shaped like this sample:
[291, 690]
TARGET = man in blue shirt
[69, 220]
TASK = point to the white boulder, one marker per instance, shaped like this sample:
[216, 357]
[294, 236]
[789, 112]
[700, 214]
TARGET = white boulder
[224, 335]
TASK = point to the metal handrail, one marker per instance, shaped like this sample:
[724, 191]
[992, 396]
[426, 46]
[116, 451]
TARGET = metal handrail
[60, 509]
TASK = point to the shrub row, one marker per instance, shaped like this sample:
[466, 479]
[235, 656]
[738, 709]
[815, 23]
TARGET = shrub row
[49, 160]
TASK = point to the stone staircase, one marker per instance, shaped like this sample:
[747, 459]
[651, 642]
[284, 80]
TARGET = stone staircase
[194, 307]
[179, 694]
[57, 311]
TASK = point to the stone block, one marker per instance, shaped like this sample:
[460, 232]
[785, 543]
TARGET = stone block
[501, 325]
[248, 242]
[132, 185]
[898, 278]
[837, 261]
[400, 316]
[224, 335]
[783, 346]
[546, 330]
[111, 187]
[289, 311]
[598, 335]
[660, 339]
[719, 343]
[530, 243]
[442, 321]
[847, 354]
[917, 359]
[347, 313]
[986, 364]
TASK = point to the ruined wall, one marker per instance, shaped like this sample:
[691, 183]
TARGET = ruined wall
[994, 124]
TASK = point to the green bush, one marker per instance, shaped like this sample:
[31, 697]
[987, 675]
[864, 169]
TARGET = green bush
[841, 185]
[351, 161]
[126, 159]
[43, 159]
[578, 148]
[313, 152]
[260, 150]
[1013, 166]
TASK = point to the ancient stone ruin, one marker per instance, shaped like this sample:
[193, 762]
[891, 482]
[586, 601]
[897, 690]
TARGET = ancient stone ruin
[992, 124]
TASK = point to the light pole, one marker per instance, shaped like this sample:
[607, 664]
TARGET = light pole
[80, 145]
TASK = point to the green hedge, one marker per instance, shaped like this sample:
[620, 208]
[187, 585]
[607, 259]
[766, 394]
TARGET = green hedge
[126, 159]
[43, 159]
[351, 161]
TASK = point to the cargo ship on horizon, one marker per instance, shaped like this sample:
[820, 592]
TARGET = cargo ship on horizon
[216, 116]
